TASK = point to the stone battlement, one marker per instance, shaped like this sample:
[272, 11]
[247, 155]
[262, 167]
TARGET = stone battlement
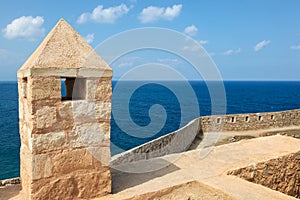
[251, 121]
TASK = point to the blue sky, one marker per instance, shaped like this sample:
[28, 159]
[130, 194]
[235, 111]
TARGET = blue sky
[247, 39]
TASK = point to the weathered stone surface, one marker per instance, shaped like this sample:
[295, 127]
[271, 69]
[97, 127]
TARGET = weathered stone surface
[281, 174]
[61, 188]
[35, 106]
[64, 48]
[86, 135]
[48, 142]
[46, 117]
[104, 91]
[21, 108]
[65, 116]
[75, 186]
[65, 110]
[71, 160]
[24, 112]
[91, 87]
[103, 110]
[84, 111]
[26, 134]
[94, 72]
[25, 159]
[44, 88]
[26, 170]
[99, 184]
[46, 72]
[42, 166]
[101, 156]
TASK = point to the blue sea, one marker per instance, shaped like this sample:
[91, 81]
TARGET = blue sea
[241, 97]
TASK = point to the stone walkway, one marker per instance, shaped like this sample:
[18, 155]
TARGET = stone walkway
[210, 171]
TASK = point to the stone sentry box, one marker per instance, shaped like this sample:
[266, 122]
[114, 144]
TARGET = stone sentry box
[65, 140]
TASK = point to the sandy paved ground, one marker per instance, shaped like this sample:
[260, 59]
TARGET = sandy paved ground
[209, 171]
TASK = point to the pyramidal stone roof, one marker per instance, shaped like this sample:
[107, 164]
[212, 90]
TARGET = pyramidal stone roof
[65, 53]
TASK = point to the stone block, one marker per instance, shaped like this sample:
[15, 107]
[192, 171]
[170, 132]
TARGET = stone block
[42, 166]
[103, 110]
[94, 72]
[101, 156]
[21, 109]
[26, 159]
[71, 160]
[61, 188]
[65, 110]
[89, 111]
[104, 91]
[74, 186]
[41, 88]
[48, 72]
[98, 89]
[24, 112]
[99, 184]
[25, 133]
[87, 135]
[48, 142]
[45, 117]
[84, 112]
[91, 87]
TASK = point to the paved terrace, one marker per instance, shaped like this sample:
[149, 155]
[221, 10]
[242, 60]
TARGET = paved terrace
[209, 171]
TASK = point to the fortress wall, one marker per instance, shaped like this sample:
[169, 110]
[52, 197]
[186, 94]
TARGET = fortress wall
[180, 140]
[251, 121]
[175, 142]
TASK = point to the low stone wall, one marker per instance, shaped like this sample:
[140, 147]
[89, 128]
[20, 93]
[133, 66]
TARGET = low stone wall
[268, 123]
[251, 121]
[175, 142]
[281, 174]
[11, 181]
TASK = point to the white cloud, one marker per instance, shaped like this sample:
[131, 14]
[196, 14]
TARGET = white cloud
[25, 27]
[261, 45]
[231, 52]
[104, 15]
[202, 42]
[153, 14]
[191, 30]
[89, 38]
[295, 47]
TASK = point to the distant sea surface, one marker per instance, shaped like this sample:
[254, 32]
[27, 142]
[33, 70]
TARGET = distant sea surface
[242, 97]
